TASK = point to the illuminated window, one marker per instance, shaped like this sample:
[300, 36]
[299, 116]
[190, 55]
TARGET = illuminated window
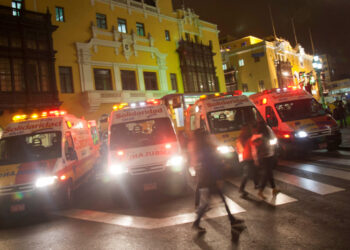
[66, 79]
[101, 21]
[140, 29]
[16, 6]
[167, 35]
[241, 62]
[60, 14]
[224, 66]
[122, 25]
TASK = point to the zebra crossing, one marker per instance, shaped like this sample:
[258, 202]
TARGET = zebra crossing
[304, 184]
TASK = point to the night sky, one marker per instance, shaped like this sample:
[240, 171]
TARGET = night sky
[329, 21]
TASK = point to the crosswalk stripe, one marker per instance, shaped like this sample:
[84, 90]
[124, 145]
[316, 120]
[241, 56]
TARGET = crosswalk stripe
[147, 222]
[307, 184]
[277, 200]
[330, 160]
[317, 170]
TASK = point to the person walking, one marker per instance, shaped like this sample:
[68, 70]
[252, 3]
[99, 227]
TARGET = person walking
[264, 155]
[209, 175]
[243, 146]
[342, 114]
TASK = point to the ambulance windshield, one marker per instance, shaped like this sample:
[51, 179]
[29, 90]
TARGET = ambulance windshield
[299, 109]
[29, 148]
[227, 120]
[142, 133]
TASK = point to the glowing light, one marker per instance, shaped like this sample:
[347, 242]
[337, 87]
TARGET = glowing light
[203, 97]
[301, 134]
[217, 94]
[45, 181]
[168, 146]
[285, 73]
[286, 136]
[34, 116]
[133, 105]
[264, 101]
[273, 141]
[120, 153]
[69, 124]
[225, 149]
[63, 177]
[44, 114]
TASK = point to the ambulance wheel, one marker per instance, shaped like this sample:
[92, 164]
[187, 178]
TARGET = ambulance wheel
[67, 194]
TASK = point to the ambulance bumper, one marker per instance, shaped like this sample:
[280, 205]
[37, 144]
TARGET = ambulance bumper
[29, 201]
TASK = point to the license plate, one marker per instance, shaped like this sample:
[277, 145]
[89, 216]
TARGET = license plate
[17, 208]
[322, 145]
[149, 186]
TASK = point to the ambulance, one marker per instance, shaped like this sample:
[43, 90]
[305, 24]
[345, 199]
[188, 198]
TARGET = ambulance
[223, 116]
[298, 120]
[43, 158]
[143, 149]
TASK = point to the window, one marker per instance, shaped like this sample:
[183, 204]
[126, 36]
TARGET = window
[122, 26]
[101, 21]
[261, 85]
[167, 35]
[188, 37]
[257, 59]
[150, 80]
[271, 118]
[60, 14]
[128, 79]
[103, 80]
[245, 87]
[241, 62]
[66, 79]
[16, 7]
[224, 66]
[140, 29]
[5, 75]
[196, 39]
[173, 80]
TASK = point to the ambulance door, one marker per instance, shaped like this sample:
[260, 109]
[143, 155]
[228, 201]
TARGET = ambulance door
[271, 118]
[71, 156]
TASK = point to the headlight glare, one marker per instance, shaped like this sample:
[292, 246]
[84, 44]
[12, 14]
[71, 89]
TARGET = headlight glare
[117, 169]
[45, 181]
[301, 134]
[273, 141]
[176, 163]
[225, 149]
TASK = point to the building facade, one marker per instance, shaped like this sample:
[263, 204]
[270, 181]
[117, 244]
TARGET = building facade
[105, 52]
[252, 64]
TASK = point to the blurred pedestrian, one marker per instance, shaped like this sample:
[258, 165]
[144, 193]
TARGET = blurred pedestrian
[264, 155]
[243, 146]
[342, 114]
[209, 175]
[348, 105]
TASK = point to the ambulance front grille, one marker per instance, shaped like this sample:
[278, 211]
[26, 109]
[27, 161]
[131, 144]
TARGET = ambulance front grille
[146, 169]
[319, 133]
[16, 189]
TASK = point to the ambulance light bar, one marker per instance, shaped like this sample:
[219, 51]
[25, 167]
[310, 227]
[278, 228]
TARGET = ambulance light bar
[149, 102]
[34, 116]
[216, 95]
[281, 90]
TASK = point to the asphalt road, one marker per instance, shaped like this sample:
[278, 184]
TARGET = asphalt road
[311, 212]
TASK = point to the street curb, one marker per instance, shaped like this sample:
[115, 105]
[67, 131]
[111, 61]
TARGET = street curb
[344, 148]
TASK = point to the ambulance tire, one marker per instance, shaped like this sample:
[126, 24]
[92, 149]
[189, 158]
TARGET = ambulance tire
[67, 195]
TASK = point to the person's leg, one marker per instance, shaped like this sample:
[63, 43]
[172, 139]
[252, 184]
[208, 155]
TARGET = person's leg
[201, 209]
[264, 177]
[196, 196]
[245, 178]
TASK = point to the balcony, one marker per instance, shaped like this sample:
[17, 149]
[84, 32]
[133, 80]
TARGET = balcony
[94, 98]
[146, 5]
[23, 100]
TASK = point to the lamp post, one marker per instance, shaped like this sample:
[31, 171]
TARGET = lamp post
[317, 65]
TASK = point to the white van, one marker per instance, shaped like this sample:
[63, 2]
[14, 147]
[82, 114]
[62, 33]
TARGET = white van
[43, 158]
[143, 148]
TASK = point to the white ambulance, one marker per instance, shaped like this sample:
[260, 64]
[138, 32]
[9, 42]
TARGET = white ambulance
[143, 148]
[298, 120]
[222, 116]
[43, 158]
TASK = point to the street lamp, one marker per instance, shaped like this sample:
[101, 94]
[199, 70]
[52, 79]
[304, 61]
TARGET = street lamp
[317, 65]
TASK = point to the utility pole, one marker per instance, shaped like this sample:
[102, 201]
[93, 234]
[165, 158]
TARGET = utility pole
[312, 42]
[295, 34]
[272, 23]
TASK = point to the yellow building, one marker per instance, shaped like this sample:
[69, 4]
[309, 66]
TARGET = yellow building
[113, 51]
[252, 64]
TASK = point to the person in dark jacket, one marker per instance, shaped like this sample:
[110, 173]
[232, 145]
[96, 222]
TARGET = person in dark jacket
[209, 173]
[342, 114]
[243, 146]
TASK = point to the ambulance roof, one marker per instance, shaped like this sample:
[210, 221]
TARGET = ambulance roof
[139, 113]
[220, 103]
[281, 95]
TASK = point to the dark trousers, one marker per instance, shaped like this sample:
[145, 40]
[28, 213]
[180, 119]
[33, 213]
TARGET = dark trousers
[267, 166]
[203, 208]
[249, 172]
[342, 122]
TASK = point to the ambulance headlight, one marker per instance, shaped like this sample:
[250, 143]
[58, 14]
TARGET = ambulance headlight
[225, 149]
[117, 169]
[301, 134]
[176, 163]
[45, 181]
[273, 141]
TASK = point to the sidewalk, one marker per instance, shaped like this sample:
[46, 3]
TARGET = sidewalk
[345, 138]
